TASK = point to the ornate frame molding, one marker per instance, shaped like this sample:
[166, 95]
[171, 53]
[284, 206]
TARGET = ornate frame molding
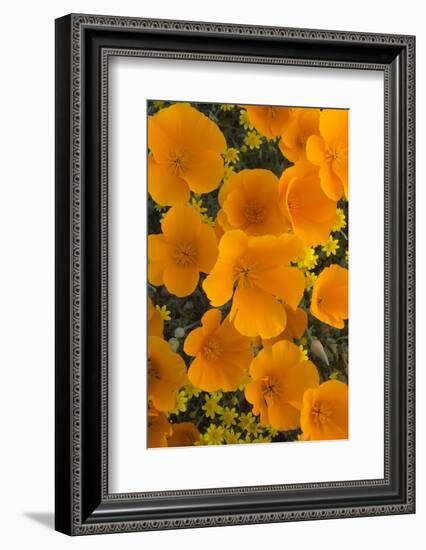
[73, 48]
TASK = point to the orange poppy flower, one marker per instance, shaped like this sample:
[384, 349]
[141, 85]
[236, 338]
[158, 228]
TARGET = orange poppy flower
[184, 434]
[268, 120]
[255, 272]
[185, 248]
[297, 322]
[155, 321]
[303, 124]
[279, 380]
[159, 428]
[329, 151]
[166, 374]
[324, 412]
[310, 212]
[329, 301]
[186, 148]
[222, 355]
[250, 201]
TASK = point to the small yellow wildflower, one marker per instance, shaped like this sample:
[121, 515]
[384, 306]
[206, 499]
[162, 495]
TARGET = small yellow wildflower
[245, 420]
[158, 104]
[347, 256]
[261, 438]
[254, 429]
[202, 440]
[232, 437]
[303, 353]
[214, 435]
[334, 376]
[191, 390]
[272, 431]
[243, 148]
[159, 208]
[340, 220]
[308, 260]
[228, 172]
[226, 107]
[198, 205]
[234, 400]
[330, 247]
[245, 121]
[165, 313]
[229, 417]
[253, 140]
[181, 400]
[211, 406]
[231, 155]
[208, 220]
[310, 279]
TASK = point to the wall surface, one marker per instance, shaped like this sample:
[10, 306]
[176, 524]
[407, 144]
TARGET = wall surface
[26, 289]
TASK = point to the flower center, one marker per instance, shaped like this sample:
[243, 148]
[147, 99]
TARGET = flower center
[185, 254]
[254, 213]
[320, 412]
[212, 350]
[179, 163]
[271, 388]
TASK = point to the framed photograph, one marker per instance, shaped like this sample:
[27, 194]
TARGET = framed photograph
[234, 274]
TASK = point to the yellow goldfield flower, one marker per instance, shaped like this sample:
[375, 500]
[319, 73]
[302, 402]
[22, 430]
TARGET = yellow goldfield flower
[245, 121]
[226, 107]
[304, 353]
[208, 220]
[347, 256]
[232, 437]
[158, 104]
[211, 406]
[228, 172]
[330, 247]
[340, 220]
[231, 155]
[310, 279]
[253, 140]
[229, 417]
[262, 438]
[165, 313]
[181, 400]
[246, 419]
[308, 260]
[214, 435]
[191, 390]
[198, 205]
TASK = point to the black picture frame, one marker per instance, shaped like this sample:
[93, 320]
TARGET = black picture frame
[83, 46]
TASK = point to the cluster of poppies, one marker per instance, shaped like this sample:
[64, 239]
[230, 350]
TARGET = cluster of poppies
[247, 273]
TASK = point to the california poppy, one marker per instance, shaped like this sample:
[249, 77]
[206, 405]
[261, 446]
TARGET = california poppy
[309, 211]
[166, 374]
[250, 201]
[279, 378]
[329, 151]
[303, 124]
[268, 121]
[297, 322]
[184, 434]
[186, 247]
[155, 320]
[159, 428]
[329, 301]
[186, 154]
[222, 354]
[255, 271]
[324, 412]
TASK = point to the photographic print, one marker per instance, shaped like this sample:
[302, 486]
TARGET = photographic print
[247, 274]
